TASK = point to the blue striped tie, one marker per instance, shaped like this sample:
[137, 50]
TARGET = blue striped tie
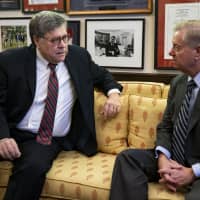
[181, 126]
[46, 126]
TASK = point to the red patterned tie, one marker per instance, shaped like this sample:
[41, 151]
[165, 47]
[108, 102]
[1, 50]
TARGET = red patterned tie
[46, 126]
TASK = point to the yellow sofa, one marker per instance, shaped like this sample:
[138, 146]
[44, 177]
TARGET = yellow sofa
[75, 176]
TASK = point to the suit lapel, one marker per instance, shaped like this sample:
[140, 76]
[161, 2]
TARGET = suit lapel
[30, 69]
[73, 70]
[180, 95]
[195, 116]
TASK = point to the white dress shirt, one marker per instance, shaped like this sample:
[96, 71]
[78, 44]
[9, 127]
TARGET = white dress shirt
[65, 102]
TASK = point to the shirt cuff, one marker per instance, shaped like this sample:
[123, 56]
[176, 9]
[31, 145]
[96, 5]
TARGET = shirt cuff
[162, 150]
[114, 90]
[196, 169]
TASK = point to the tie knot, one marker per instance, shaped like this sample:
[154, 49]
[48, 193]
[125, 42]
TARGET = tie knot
[191, 84]
[52, 66]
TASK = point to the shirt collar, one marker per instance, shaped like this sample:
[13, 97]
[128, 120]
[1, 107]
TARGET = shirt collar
[41, 58]
[196, 79]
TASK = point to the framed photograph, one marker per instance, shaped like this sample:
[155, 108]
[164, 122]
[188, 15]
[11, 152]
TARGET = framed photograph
[94, 7]
[9, 4]
[14, 32]
[168, 14]
[32, 6]
[73, 31]
[116, 43]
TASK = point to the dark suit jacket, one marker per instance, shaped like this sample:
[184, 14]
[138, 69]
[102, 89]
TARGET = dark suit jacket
[165, 128]
[18, 83]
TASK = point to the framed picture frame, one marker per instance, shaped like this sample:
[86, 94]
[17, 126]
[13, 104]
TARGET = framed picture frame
[33, 6]
[10, 5]
[168, 14]
[73, 31]
[95, 7]
[14, 32]
[116, 43]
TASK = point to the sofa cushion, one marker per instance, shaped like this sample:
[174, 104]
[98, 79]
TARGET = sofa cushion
[73, 176]
[158, 192]
[76, 176]
[144, 115]
[165, 91]
[111, 133]
[146, 89]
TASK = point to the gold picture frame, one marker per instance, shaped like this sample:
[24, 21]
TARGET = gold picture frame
[98, 7]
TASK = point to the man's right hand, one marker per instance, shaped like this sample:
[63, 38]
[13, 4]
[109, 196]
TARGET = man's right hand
[9, 149]
[165, 167]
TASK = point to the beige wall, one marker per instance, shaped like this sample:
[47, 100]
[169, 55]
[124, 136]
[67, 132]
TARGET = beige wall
[149, 35]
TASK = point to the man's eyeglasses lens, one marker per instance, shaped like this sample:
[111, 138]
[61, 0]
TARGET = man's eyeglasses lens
[57, 41]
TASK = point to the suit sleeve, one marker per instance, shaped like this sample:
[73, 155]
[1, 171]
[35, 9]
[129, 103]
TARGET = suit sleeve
[4, 130]
[102, 78]
[165, 127]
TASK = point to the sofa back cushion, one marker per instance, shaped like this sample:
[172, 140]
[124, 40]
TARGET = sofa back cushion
[112, 133]
[146, 89]
[144, 115]
[165, 91]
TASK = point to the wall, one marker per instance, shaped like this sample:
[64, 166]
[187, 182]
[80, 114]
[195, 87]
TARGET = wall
[149, 35]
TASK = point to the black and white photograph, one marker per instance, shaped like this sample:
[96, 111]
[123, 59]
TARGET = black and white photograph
[116, 43]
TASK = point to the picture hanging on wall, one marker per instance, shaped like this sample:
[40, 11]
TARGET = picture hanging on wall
[97, 7]
[14, 32]
[168, 14]
[116, 43]
[73, 31]
[32, 6]
[9, 4]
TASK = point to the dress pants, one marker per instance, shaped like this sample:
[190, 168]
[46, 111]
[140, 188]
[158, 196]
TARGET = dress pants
[29, 171]
[133, 170]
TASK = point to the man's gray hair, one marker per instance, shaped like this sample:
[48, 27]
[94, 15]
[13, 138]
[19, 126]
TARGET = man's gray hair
[43, 22]
[191, 29]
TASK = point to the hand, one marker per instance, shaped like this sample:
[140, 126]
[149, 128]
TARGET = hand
[178, 176]
[165, 165]
[9, 149]
[173, 174]
[112, 106]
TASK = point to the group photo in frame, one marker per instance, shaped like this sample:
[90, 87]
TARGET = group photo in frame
[168, 14]
[9, 4]
[116, 43]
[89, 7]
[33, 6]
[73, 31]
[14, 33]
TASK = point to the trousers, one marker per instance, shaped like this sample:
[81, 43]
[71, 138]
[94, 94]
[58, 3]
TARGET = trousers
[133, 170]
[29, 170]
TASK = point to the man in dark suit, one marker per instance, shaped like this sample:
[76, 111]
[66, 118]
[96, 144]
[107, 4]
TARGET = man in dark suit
[112, 48]
[24, 97]
[175, 161]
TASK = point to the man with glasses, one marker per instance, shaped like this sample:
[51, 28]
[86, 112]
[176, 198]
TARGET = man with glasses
[46, 103]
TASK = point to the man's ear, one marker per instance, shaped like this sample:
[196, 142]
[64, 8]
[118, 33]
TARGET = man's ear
[197, 57]
[35, 40]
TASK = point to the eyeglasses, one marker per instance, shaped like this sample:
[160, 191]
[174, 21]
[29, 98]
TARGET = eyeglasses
[177, 47]
[57, 40]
